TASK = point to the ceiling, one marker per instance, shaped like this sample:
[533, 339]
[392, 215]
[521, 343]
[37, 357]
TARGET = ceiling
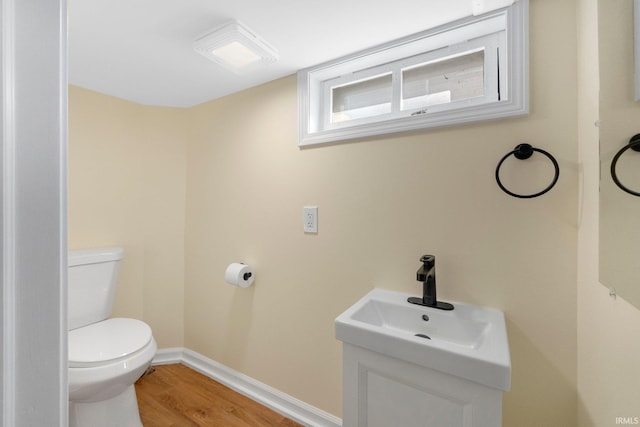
[141, 50]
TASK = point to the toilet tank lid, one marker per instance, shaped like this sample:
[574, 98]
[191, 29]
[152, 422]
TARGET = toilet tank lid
[93, 256]
[107, 341]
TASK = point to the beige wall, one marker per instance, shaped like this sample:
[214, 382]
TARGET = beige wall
[382, 204]
[608, 348]
[127, 188]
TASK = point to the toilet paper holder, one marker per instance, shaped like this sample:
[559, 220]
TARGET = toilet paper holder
[239, 274]
[246, 276]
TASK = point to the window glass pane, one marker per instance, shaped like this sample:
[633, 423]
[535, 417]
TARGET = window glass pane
[444, 81]
[364, 98]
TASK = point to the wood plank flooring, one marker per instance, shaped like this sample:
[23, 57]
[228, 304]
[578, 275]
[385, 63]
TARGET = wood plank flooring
[177, 396]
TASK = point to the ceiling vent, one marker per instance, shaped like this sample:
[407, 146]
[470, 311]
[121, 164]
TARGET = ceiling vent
[236, 48]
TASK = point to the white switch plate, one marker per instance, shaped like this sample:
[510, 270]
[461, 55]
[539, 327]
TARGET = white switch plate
[310, 218]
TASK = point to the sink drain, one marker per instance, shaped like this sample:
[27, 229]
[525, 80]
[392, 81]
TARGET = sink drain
[423, 336]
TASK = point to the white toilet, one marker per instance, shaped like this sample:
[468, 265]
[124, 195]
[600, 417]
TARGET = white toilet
[106, 355]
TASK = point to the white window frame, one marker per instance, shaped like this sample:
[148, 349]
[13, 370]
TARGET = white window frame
[505, 28]
[356, 77]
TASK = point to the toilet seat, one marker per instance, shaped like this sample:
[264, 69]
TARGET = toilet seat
[107, 341]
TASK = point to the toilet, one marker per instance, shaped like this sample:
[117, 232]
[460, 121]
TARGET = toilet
[106, 355]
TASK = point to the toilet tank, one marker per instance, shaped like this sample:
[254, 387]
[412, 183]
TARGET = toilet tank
[92, 280]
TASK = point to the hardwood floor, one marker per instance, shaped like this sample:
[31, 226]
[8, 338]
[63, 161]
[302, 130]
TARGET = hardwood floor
[177, 396]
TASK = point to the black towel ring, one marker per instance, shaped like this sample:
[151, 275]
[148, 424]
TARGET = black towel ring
[634, 144]
[522, 152]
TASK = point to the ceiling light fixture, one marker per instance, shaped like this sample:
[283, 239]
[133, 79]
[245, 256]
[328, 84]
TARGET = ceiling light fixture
[236, 47]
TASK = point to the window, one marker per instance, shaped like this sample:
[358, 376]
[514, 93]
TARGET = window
[444, 81]
[365, 98]
[470, 70]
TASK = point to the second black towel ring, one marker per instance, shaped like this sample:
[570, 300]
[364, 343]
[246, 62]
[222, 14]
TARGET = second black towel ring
[522, 152]
[634, 144]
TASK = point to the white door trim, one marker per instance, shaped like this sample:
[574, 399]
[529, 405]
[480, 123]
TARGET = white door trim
[8, 215]
[33, 165]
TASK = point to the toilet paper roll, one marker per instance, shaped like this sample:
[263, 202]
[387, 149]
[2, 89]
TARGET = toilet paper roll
[239, 274]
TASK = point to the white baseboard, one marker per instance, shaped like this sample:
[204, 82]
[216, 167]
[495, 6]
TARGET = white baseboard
[273, 399]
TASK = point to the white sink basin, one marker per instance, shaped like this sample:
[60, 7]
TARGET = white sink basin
[469, 342]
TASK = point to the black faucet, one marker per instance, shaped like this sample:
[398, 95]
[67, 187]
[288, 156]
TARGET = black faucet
[427, 275]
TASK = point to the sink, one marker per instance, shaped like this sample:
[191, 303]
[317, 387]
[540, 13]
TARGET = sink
[469, 342]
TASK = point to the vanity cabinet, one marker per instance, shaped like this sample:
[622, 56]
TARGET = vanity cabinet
[381, 391]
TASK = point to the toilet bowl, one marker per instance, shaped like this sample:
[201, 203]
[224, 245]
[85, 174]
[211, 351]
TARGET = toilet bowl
[106, 355]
